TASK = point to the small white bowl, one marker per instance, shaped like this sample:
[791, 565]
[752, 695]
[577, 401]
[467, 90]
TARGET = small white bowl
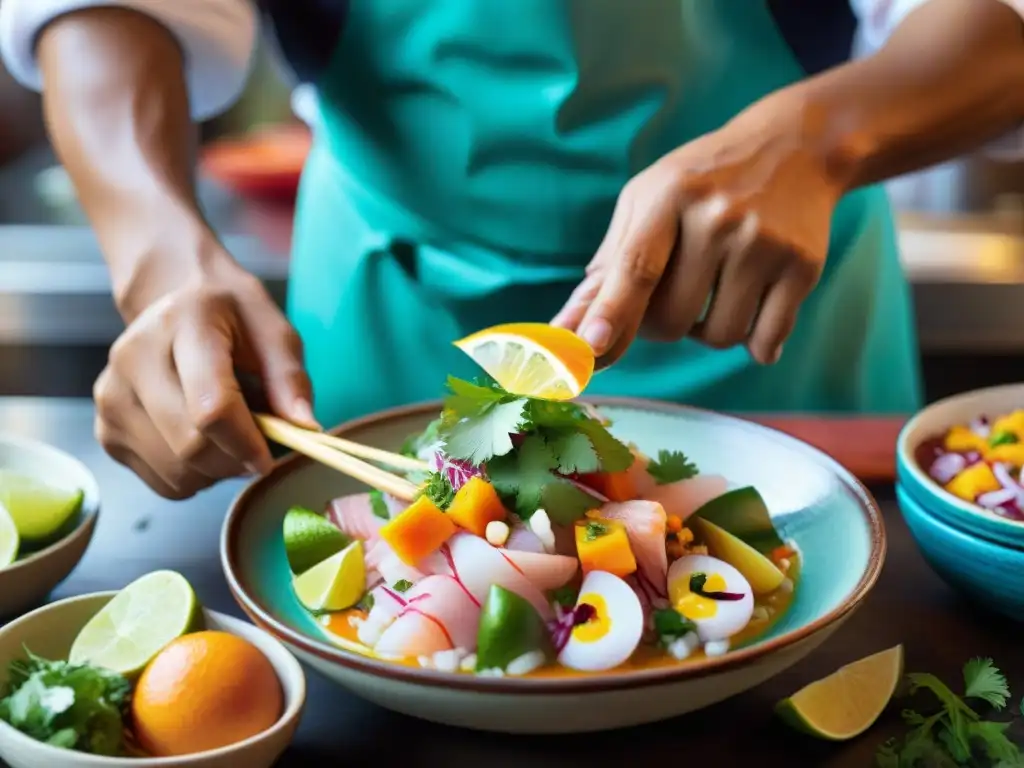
[49, 632]
[26, 582]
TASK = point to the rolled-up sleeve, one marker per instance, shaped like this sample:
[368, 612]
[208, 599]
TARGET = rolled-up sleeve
[878, 18]
[217, 36]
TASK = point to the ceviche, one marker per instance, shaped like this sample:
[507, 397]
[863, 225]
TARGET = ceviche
[981, 462]
[540, 544]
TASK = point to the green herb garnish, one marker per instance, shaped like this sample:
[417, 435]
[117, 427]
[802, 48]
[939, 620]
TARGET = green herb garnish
[366, 603]
[564, 596]
[378, 505]
[669, 625]
[698, 586]
[671, 467]
[402, 585]
[595, 530]
[955, 735]
[1002, 438]
[439, 490]
[74, 706]
[420, 440]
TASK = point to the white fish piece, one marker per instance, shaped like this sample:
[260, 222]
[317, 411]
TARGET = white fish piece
[646, 526]
[354, 516]
[544, 571]
[685, 497]
[439, 614]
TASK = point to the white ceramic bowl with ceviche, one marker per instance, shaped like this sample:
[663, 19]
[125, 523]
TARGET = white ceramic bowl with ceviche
[520, 550]
[144, 678]
[49, 504]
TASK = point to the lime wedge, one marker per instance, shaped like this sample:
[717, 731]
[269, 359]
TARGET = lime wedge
[138, 623]
[39, 510]
[336, 583]
[310, 538]
[847, 702]
[9, 539]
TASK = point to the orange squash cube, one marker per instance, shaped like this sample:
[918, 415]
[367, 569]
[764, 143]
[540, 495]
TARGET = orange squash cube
[973, 481]
[602, 545]
[475, 505]
[418, 531]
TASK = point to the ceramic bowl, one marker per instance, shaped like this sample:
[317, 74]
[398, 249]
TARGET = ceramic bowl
[813, 500]
[986, 572]
[932, 422]
[49, 632]
[30, 579]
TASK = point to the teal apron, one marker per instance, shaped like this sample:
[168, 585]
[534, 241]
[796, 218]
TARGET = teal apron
[469, 157]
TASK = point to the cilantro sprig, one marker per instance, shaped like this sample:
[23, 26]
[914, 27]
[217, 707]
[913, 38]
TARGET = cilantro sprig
[671, 467]
[530, 446]
[956, 734]
[74, 706]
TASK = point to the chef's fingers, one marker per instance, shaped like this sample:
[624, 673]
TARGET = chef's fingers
[276, 351]
[779, 309]
[571, 315]
[611, 321]
[204, 350]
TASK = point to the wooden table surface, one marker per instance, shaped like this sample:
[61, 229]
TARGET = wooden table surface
[139, 532]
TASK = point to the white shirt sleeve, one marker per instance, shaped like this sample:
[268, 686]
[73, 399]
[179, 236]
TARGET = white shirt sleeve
[217, 36]
[878, 18]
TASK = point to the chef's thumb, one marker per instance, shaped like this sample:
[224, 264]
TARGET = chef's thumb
[286, 384]
[614, 316]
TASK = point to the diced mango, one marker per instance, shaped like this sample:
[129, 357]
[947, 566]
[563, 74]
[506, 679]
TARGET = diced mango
[418, 531]
[602, 545]
[962, 440]
[973, 481]
[1012, 422]
[475, 505]
[1008, 453]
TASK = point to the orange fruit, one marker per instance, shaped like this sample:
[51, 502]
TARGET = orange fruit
[533, 359]
[203, 691]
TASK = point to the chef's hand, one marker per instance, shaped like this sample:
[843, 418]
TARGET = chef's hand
[169, 405]
[736, 221]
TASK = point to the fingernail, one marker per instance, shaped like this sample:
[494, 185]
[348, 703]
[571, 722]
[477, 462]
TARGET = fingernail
[304, 412]
[598, 334]
[252, 469]
[776, 355]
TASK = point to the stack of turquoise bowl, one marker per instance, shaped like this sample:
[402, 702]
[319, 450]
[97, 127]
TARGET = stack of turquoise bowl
[975, 551]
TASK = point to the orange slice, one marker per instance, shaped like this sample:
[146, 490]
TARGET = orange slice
[532, 359]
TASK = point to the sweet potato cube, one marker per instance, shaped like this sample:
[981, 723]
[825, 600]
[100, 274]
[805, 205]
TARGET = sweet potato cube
[602, 545]
[973, 481]
[418, 531]
[475, 505]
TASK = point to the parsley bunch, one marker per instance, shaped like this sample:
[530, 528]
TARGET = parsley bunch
[529, 445]
[956, 735]
[75, 706]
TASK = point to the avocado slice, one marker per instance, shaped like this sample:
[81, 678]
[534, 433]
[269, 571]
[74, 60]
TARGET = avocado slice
[509, 628]
[743, 513]
[762, 574]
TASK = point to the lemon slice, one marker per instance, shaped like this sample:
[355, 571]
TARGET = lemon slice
[9, 539]
[336, 583]
[533, 359]
[847, 702]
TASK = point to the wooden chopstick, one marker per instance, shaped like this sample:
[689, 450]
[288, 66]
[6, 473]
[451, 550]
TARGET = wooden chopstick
[299, 440]
[369, 453]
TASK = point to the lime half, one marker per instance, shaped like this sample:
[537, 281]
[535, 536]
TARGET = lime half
[39, 510]
[310, 538]
[336, 583]
[9, 539]
[847, 702]
[138, 623]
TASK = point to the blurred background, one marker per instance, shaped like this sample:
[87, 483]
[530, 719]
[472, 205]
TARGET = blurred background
[961, 232]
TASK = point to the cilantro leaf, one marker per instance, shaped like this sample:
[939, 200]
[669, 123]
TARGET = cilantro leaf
[574, 452]
[75, 706]
[422, 440]
[488, 434]
[669, 624]
[613, 455]
[525, 479]
[671, 467]
[402, 585]
[378, 506]
[439, 490]
[982, 680]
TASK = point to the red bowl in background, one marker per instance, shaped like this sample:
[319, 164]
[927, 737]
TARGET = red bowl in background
[266, 163]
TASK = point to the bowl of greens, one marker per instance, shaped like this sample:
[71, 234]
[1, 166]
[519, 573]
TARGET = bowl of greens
[49, 505]
[144, 677]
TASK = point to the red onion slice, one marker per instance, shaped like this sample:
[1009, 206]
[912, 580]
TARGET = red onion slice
[995, 499]
[946, 467]
[980, 427]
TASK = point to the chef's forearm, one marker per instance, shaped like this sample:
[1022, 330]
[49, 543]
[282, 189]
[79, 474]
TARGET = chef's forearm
[117, 109]
[950, 77]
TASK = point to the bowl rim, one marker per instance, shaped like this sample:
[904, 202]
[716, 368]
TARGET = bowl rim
[358, 663]
[88, 513]
[290, 714]
[962, 510]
